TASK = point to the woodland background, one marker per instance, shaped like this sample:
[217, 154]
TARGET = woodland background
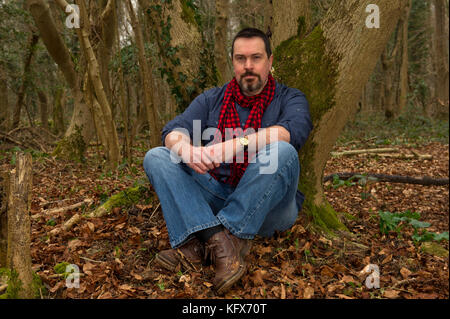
[86, 104]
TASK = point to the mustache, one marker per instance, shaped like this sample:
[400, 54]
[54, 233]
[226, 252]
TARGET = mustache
[249, 74]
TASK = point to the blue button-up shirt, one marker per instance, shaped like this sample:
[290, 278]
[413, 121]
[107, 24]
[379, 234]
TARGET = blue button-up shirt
[289, 109]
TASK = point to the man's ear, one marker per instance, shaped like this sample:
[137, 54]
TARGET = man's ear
[271, 60]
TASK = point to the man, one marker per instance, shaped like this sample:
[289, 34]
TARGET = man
[211, 176]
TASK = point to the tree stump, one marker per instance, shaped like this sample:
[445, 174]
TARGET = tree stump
[19, 190]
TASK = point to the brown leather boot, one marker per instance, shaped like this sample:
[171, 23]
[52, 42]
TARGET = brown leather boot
[227, 253]
[187, 257]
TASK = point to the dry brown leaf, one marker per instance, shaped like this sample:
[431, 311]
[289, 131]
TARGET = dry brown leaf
[387, 259]
[342, 296]
[391, 293]
[308, 293]
[283, 292]
[327, 272]
[405, 272]
[258, 277]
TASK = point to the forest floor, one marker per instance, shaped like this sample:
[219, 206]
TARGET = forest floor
[115, 253]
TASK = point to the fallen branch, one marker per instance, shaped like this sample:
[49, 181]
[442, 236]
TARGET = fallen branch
[75, 219]
[365, 151]
[425, 180]
[408, 156]
[52, 211]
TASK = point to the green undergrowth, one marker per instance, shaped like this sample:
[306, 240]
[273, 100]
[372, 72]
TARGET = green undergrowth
[411, 128]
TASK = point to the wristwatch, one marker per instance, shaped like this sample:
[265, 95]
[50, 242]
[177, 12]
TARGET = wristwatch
[244, 142]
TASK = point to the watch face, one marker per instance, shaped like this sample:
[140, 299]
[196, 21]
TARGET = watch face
[243, 140]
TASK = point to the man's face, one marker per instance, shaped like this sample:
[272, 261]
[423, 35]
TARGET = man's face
[251, 65]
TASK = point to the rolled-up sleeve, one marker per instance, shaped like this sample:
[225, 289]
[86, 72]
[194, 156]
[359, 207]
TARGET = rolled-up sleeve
[295, 117]
[197, 110]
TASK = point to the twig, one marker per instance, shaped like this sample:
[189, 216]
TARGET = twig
[159, 204]
[92, 260]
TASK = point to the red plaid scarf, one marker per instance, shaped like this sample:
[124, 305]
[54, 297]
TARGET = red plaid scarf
[229, 118]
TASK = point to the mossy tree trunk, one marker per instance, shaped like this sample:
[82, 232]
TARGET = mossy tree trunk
[187, 58]
[221, 53]
[331, 66]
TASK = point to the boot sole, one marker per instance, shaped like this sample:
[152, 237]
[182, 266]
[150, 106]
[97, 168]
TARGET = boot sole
[170, 266]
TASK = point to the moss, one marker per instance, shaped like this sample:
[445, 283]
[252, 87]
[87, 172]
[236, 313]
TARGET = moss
[61, 267]
[125, 198]
[71, 147]
[302, 63]
[11, 277]
[188, 13]
[433, 248]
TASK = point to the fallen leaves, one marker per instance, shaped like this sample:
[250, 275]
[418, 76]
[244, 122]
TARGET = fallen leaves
[115, 253]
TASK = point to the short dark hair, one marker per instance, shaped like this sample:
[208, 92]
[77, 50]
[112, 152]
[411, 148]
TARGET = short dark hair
[251, 33]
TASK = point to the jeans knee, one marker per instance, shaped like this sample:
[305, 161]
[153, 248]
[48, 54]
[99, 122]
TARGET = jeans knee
[155, 158]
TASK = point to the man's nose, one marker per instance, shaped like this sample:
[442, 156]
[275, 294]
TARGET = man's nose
[248, 64]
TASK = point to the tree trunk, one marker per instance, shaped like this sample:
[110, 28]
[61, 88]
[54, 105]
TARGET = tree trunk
[440, 59]
[395, 69]
[147, 80]
[58, 111]
[220, 41]
[187, 58]
[19, 225]
[331, 66]
[286, 18]
[4, 104]
[34, 38]
[81, 118]
[112, 142]
[4, 184]
[43, 103]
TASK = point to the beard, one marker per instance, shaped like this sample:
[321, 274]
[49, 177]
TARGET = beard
[250, 86]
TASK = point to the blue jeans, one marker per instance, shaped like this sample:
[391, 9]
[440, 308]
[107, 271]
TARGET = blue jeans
[259, 205]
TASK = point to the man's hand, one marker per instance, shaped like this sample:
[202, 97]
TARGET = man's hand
[198, 158]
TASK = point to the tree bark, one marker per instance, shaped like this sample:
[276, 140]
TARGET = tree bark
[395, 69]
[112, 142]
[331, 65]
[187, 58]
[4, 185]
[147, 79]
[43, 103]
[286, 18]
[220, 41]
[440, 59]
[34, 38]
[19, 225]
[4, 102]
